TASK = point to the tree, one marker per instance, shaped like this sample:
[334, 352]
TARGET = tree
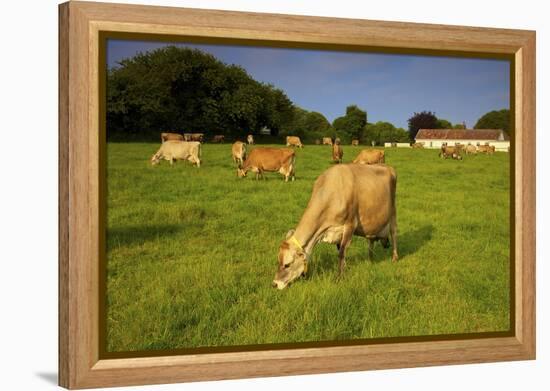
[308, 125]
[422, 120]
[187, 90]
[384, 132]
[497, 119]
[443, 124]
[351, 125]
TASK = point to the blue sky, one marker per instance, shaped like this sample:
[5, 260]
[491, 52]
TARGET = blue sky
[389, 87]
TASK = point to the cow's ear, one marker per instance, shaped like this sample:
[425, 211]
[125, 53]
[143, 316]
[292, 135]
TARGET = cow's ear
[289, 234]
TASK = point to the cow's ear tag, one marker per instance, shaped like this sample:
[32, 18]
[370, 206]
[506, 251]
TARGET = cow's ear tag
[289, 234]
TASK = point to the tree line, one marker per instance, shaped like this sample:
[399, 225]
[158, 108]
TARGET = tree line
[188, 90]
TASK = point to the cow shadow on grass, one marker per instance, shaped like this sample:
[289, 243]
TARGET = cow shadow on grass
[408, 243]
[139, 234]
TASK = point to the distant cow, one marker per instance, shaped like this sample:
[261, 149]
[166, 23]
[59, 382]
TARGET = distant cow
[187, 136]
[219, 138]
[327, 141]
[317, 141]
[337, 153]
[470, 149]
[250, 139]
[337, 141]
[417, 145]
[355, 142]
[170, 136]
[197, 137]
[488, 149]
[293, 141]
[178, 150]
[347, 200]
[238, 151]
[269, 159]
[447, 152]
[370, 156]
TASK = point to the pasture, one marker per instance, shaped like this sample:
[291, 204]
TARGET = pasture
[191, 253]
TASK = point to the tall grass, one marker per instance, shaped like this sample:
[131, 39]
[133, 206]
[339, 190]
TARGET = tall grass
[191, 253]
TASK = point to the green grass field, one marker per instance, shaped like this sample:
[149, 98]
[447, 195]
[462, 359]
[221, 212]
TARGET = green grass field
[191, 253]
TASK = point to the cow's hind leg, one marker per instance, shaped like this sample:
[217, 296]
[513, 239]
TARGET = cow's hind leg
[393, 234]
[371, 249]
[344, 243]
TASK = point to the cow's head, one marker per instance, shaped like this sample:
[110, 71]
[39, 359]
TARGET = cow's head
[292, 262]
[241, 173]
[155, 159]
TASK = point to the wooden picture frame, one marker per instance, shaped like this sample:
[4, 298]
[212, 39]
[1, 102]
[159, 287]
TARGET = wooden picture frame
[80, 190]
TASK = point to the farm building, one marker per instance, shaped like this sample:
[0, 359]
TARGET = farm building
[434, 138]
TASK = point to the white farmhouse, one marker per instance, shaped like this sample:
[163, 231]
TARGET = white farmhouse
[434, 138]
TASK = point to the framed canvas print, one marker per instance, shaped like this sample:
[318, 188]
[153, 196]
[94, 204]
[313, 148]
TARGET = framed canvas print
[247, 195]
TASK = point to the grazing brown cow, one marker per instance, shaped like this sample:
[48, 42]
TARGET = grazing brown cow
[451, 152]
[197, 137]
[170, 136]
[219, 138]
[238, 151]
[250, 139]
[487, 149]
[178, 150]
[337, 153]
[327, 141]
[370, 156]
[269, 159]
[347, 199]
[470, 149]
[355, 142]
[293, 141]
[417, 145]
[447, 152]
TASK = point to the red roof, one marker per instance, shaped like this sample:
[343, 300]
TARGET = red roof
[462, 134]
